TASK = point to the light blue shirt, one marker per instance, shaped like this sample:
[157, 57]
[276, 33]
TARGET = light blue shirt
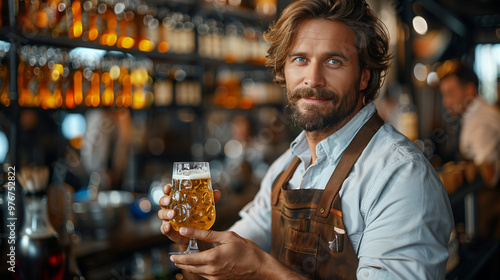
[395, 208]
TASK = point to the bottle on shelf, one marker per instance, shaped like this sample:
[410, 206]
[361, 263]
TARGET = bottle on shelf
[77, 77]
[163, 88]
[63, 18]
[4, 75]
[187, 87]
[91, 20]
[148, 26]
[141, 80]
[109, 35]
[76, 28]
[127, 30]
[165, 30]
[407, 118]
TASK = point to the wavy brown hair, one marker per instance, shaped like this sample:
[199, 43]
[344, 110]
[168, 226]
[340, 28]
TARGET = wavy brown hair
[370, 36]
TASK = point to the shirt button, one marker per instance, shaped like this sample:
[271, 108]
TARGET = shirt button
[366, 274]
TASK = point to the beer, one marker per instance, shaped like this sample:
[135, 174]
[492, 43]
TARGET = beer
[193, 201]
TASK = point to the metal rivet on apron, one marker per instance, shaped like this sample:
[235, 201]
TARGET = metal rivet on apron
[322, 210]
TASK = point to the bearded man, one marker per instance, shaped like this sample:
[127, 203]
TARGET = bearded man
[352, 197]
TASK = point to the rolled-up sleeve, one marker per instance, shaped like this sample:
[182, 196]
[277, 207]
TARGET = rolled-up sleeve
[408, 221]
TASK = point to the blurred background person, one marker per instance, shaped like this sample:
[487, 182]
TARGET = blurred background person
[479, 140]
[106, 144]
[479, 137]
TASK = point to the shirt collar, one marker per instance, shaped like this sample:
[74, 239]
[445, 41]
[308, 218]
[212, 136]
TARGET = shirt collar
[334, 145]
[473, 107]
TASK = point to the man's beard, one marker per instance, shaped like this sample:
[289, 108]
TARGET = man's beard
[311, 119]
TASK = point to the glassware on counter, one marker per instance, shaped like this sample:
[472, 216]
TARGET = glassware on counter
[38, 253]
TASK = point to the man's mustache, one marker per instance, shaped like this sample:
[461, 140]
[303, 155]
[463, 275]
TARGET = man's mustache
[311, 93]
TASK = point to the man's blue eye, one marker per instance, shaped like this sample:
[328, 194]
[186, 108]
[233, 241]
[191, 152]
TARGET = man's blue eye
[300, 59]
[333, 61]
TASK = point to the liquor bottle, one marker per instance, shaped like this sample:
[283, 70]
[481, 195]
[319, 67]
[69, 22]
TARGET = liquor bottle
[407, 118]
[189, 36]
[26, 79]
[38, 253]
[43, 73]
[52, 77]
[93, 94]
[108, 94]
[142, 96]
[148, 27]
[110, 23]
[203, 38]
[165, 30]
[4, 77]
[124, 96]
[76, 29]
[60, 198]
[92, 29]
[63, 19]
[77, 83]
[127, 30]
[25, 16]
[168, 38]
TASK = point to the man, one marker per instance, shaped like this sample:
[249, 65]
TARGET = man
[390, 219]
[480, 134]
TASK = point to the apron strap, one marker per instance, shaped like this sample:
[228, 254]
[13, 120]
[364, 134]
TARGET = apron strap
[346, 163]
[283, 179]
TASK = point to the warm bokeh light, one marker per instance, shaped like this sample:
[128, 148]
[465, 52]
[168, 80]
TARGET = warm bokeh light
[76, 29]
[163, 47]
[420, 25]
[77, 86]
[146, 45]
[420, 72]
[70, 99]
[126, 42]
[114, 72]
[93, 33]
[56, 72]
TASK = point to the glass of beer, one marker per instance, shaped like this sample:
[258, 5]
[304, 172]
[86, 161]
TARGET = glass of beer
[192, 199]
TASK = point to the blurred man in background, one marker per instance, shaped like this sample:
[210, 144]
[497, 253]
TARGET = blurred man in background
[479, 139]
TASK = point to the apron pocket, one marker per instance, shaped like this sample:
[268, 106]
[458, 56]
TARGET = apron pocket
[300, 252]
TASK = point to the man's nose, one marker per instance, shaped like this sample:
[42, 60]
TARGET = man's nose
[314, 76]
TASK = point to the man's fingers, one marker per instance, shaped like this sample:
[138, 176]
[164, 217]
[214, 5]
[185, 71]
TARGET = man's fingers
[193, 259]
[165, 200]
[166, 214]
[166, 188]
[199, 270]
[207, 235]
[165, 227]
[204, 235]
[217, 195]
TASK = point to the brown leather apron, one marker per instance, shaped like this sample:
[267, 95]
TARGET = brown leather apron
[308, 233]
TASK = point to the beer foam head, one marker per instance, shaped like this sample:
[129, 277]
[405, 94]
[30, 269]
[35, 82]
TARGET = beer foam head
[186, 175]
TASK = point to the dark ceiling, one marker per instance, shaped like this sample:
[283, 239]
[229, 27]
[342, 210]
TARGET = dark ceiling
[471, 8]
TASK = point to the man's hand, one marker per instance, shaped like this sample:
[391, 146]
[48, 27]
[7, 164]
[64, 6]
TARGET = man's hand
[167, 214]
[235, 258]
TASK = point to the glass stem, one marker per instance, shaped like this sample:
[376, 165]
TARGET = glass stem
[193, 245]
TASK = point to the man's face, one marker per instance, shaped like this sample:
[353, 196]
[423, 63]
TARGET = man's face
[455, 96]
[323, 79]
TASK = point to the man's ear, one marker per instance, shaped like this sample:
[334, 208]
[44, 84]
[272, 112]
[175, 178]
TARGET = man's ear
[365, 78]
[470, 91]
